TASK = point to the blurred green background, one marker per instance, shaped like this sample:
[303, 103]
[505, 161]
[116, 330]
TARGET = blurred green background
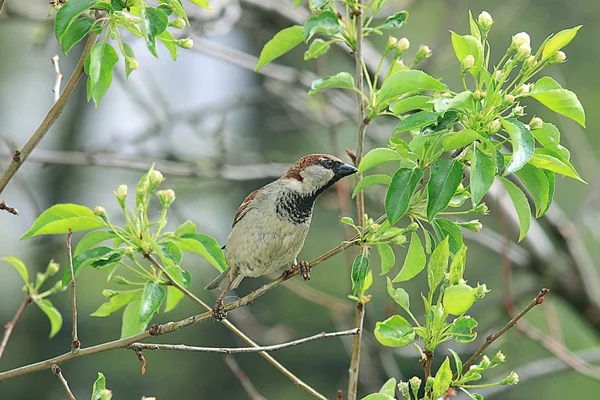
[214, 127]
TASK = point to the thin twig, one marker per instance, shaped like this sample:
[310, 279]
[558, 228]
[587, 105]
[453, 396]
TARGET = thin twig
[539, 299]
[9, 209]
[35, 139]
[241, 376]
[234, 350]
[59, 78]
[8, 328]
[56, 371]
[75, 344]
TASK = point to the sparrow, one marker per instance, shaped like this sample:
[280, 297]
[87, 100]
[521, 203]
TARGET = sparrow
[271, 225]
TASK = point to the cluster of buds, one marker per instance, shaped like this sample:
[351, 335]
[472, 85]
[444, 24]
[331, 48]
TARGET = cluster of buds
[132, 63]
[479, 94]
[52, 268]
[400, 46]
[511, 379]
[499, 358]
[403, 388]
[521, 43]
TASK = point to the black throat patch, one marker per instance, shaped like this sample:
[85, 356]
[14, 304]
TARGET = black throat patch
[294, 206]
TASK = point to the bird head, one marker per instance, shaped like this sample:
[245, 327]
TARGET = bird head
[314, 173]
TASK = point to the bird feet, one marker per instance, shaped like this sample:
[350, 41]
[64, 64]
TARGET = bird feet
[303, 267]
[218, 310]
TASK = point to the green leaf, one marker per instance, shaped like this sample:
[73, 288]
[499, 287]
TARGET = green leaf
[536, 182]
[460, 139]
[60, 217]
[558, 41]
[548, 92]
[284, 41]
[342, 80]
[388, 259]
[394, 332]
[52, 313]
[153, 22]
[75, 32]
[326, 22]
[186, 228]
[151, 299]
[521, 206]
[378, 396]
[462, 102]
[103, 58]
[414, 262]
[522, 144]
[399, 295]
[67, 14]
[376, 157]
[482, 175]
[85, 259]
[131, 325]
[438, 264]
[205, 246]
[403, 185]
[19, 266]
[468, 45]
[359, 273]
[172, 252]
[551, 180]
[548, 136]
[457, 361]
[377, 179]
[443, 379]
[116, 302]
[297, 3]
[462, 329]
[446, 175]
[395, 21]
[416, 121]
[177, 8]
[418, 102]
[319, 5]
[202, 3]
[91, 239]
[169, 42]
[429, 241]
[553, 162]
[457, 267]
[99, 386]
[473, 27]
[445, 228]
[406, 81]
[174, 295]
[389, 388]
[129, 55]
[317, 48]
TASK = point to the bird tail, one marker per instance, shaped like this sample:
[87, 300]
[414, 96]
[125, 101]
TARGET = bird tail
[217, 281]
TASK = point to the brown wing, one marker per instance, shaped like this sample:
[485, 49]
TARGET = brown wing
[244, 208]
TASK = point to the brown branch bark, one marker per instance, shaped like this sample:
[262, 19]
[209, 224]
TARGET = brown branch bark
[75, 344]
[8, 328]
[57, 371]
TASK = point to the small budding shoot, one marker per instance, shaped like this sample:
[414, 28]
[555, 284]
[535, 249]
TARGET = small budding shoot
[52, 268]
[156, 178]
[399, 240]
[485, 21]
[121, 195]
[423, 52]
[415, 385]
[403, 387]
[132, 63]
[499, 358]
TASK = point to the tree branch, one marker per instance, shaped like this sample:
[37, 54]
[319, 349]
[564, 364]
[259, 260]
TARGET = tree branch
[8, 328]
[9, 209]
[20, 156]
[59, 78]
[56, 371]
[75, 344]
[246, 384]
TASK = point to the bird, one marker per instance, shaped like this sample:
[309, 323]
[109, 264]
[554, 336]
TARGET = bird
[271, 224]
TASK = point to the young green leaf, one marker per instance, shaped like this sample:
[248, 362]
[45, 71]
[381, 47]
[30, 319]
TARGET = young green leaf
[399, 295]
[522, 144]
[549, 92]
[186, 228]
[553, 162]
[317, 48]
[482, 175]
[102, 60]
[558, 41]
[388, 259]
[377, 179]
[60, 217]
[468, 45]
[406, 81]
[202, 3]
[551, 180]
[326, 22]
[19, 266]
[91, 239]
[414, 262]
[85, 259]
[389, 387]
[418, 102]
[473, 27]
[99, 386]
[536, 182]
[462, 102]
[521, 206]
[342, 80]
[378, 396]
[446, 175]
[205, 246]
[394, 332]
[462, 329]
[548, 136]
[394, 21]
[154, 22]
[443, 379]
[131, 325]
[151, 299]
[445, 228]
[52, 313]
[172, 252]
[284, 41]
[169, 42]
[75, 32]
[457, 266]
[460, 139]
[174, 295]
[400, 192]
[68, 13]
[116, 302]
[438, 264]
[319, 5]
[416, 121]
[359, 273]
[376, 157]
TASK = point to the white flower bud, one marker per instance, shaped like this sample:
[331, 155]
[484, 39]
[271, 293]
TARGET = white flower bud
[156, 178]
[530, 62]
[558, 57]
[536, 123]
[186, 43]
[52, 268]
[485, 21]
[399, 240]
[524, 89]
[423, 52]
[495, 126]
[499, 358]
[519, 39]
[391, 43]
[100, 211]
[402, 45]
[523, 52]
[178, 23]
[121, 195]
[166, 197]
[468, 62]
[511, 379]
[509, 98]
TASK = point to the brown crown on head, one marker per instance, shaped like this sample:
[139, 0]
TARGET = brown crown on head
[301, 164]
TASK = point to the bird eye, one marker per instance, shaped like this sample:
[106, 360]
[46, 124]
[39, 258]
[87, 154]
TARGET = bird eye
[328, 163]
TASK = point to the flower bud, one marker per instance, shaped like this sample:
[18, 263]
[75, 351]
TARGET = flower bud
[166, 197]
[156, 178]
[186, 43]
[519, 39]
[108, 293]
[412, 227]
[473, 226]
[424, 52]
[524, 89]
[132, 63]
[391, 44]
[415, 383]
[499, 358]
[100, 211]
[375, 227]
[39, 279]
[399, 240]
[467, 62]
[518, 111]
[481, 209]
[485, 21]
[511, 379]
[558, 57]
[105, 394]
[485, 363]
[129, 250]
[495, 126]
[480, 291]
[477, 95]
[401, 46]
[403, 387]
[121, 195]
[536, 123]
[523, 52]
[509, 98]
[178, 23]
[52, 268]
[530, 63]
[429, 383]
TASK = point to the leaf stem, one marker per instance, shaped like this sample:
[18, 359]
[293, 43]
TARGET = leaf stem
[75, 344]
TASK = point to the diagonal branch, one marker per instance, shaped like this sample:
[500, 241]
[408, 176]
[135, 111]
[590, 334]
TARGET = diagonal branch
[75, 344]
[8, 328]
[57, 371]
[246, 384]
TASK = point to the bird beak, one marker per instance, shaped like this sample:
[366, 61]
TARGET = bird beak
[345, 170]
